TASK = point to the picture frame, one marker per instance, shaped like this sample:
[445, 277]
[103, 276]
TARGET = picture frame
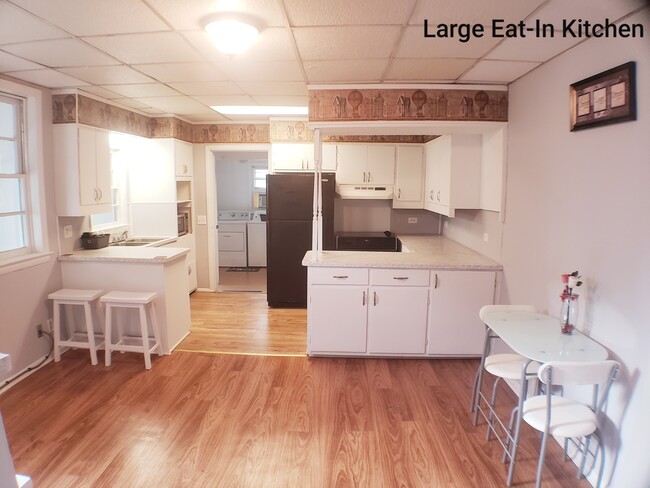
[605, 98]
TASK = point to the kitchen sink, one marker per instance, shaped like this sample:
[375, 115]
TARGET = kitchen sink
[130, 243]
[137, 241]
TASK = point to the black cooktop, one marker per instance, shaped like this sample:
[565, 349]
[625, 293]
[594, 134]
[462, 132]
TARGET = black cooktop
[368, 241]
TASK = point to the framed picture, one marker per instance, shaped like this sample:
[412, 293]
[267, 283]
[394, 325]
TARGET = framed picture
[605, 98]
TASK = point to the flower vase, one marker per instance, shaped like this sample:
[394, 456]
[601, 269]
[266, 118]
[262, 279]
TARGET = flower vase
[569, 313]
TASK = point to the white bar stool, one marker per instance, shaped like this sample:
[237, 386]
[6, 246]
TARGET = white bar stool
[86, 340]
[142, 343]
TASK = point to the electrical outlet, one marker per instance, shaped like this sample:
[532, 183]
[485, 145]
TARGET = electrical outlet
[39, 330]
[446, 224]
[67, 231]
[48, 325]
[485, 236]
[201, 219]
[413, 220]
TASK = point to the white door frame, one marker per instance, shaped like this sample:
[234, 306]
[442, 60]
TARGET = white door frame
[211, 200]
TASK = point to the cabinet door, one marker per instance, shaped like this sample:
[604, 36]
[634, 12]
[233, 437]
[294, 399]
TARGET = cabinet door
[183, 159]
[381, 164]
[337, 318]
[408, 174]
[438, 175]
[397, 319]
[103, 166]
[329, 157]
[456, 298]
[352, 159]
[87, 167]
[288, 157]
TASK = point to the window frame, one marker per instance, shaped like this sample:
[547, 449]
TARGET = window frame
[36, 203]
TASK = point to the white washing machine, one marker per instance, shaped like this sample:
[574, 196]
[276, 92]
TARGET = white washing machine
[232, 237]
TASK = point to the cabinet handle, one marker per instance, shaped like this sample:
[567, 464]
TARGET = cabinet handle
[368, 176]
[363, 299]
[364, 176]
[189, 270]
[374, 299]
[399, 193]
[101, 194]
[431, 195]
[435, 283]
[400, 277]
[340, 277]
[185, 169]
[438, 195]
[95, 193]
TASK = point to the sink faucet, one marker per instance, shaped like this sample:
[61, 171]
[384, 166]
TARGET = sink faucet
[122, 237]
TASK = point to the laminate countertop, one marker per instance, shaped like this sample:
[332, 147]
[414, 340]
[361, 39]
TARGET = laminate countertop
[133, 254]
[430, 252]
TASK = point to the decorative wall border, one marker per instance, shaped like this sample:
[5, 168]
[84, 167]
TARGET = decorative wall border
[330, 105]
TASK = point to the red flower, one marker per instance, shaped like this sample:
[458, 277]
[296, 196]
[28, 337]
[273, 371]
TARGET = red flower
[565, 278]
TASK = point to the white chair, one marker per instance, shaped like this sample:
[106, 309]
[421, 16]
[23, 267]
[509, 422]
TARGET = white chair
[142, 301]
[506, 366]
[89, 339]
[563, 417]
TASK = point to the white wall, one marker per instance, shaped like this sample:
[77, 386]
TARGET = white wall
[580, 200]
[235, 183]
[23, 293]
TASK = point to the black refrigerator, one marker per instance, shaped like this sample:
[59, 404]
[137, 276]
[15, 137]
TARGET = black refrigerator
[289, 217]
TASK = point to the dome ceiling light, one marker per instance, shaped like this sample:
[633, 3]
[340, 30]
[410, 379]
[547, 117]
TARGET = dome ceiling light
[231, 35]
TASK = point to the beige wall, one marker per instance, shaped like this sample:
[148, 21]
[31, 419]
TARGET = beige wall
[580, 200]
[200, 208]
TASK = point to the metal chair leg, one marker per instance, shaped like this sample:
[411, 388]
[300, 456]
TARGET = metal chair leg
[492, 403]
[584, 456]
[540, 464]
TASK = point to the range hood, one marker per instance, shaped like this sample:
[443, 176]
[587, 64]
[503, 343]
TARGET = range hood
[365, 192]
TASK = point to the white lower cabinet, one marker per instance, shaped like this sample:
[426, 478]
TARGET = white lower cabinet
[396, 312]
[456, 298]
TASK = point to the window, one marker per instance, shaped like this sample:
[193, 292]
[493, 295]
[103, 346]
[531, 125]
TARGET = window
[259, 178]
[15, 235]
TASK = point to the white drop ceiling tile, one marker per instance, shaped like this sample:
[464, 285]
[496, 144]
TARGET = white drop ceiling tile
[430, 70]
[531, 48]
[59, 53]
[208, 88]
[209, 100]
[556, 11]
[16, 25]
[247, 119]
[143, 90]
[346, 12]
[345, 42]
[9, 62]
[151, 47]
[498, 71]
[263, 88]
[153, 111]
[48, 78]
[175, 105]
[273, 44]
[96, 17]
[276, 100]
[107, 75]
[192, 15]
[181, 72]
[471, 11]
[238, 69]
[414, 45]
[345, 71]
[100, 92]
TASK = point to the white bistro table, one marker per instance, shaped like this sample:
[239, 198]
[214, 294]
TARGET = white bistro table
[536, 337]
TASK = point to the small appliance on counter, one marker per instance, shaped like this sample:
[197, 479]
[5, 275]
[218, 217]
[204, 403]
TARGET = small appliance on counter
[368, 241]
[94, 241]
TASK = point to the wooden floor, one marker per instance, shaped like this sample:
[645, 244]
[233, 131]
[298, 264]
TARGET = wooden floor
[206, 420]
[258, 421]
[243, 323]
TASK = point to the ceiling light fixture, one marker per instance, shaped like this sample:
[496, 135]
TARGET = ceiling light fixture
[259, 110]
[231, 36]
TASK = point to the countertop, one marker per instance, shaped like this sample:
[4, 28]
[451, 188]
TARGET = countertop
[135, 254]
[431, 252]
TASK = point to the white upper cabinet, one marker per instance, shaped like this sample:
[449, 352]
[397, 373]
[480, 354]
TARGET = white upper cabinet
[453, 173]
[183, 159]
[292, 156]
[372, 164]
[409, 177]
[329, 157]
[82, 158]
[152, 172]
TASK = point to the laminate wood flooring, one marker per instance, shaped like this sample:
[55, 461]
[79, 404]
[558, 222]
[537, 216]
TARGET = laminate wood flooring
[204, 420]
[242, 323]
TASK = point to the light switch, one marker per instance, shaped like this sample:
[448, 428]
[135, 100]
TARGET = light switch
[67, 231]
[485, 236]
[201, 219]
